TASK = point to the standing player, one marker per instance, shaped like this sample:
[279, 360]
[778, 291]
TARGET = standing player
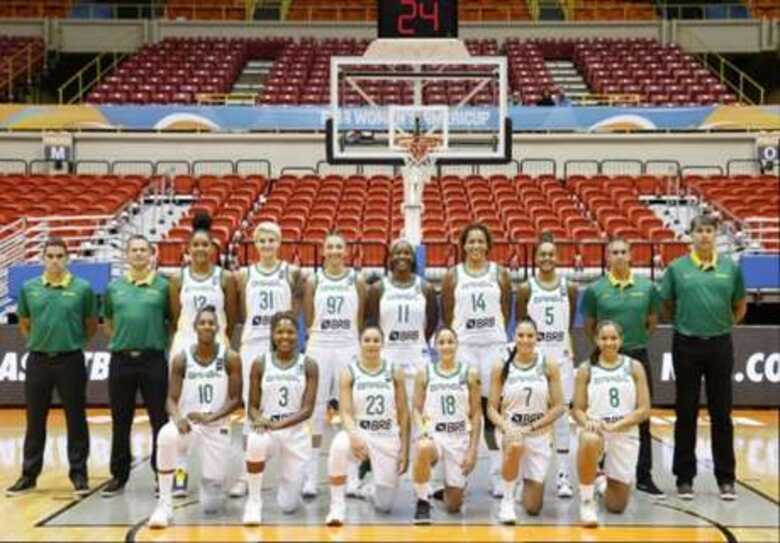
[404, 306]
[205, 389]
[525, 401]
[476, 298]
[333, 306]
[610, 400]
[551, 301]
[282, 390]
[448, 413]
[200, 284]
[375, 418]
[264, 288]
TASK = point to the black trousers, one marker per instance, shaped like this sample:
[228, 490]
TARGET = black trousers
[146, 371]
[644, 465]
[713, 359]
[68, 375]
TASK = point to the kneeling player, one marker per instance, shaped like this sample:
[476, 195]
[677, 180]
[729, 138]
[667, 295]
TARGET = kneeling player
[376, 426]
[448, 413]
[205, 388]
[282, 391]
[525, 401]
[611, 399]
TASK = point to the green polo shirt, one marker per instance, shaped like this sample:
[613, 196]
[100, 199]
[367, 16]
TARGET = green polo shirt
[139, 313]
[627, 303]
[57, 312]
[703, 294]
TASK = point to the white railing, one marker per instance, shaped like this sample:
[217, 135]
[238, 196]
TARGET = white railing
[91, 238]
[762, 230]
[12, 237]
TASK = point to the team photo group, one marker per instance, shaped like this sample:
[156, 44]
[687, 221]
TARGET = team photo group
[397, 379]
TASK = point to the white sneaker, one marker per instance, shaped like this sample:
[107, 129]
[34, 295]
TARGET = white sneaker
[565, 490]
[336, 514]
[496, 486]
[506, 513]
[162, 516]
[588, 513]
[519, 490]
[365, 491]
[239, 489]
[309, 488]
[353, 488]
[253, 513]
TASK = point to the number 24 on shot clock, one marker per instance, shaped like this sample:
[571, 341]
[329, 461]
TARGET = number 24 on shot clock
[417, 19]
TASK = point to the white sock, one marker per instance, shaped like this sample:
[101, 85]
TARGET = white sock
[423, 491]
[165, 482]
[509, 489]
[586, 492]
[337, 493]
[352, 473]
[255, 482]
[496, 460]
[313, 466]
[563, 463]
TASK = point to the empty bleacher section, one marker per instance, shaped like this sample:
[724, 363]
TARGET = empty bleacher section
[219, 10]
[21, 59]
[36, 8]
[365, 10]
[609, 10]
[769, 9]
[178, 70]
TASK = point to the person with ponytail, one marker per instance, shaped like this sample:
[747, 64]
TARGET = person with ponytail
[526, 399]
[199, 284]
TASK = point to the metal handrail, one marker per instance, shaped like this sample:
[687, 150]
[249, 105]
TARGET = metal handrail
[226, 99]
[12, 237]
[26, 53]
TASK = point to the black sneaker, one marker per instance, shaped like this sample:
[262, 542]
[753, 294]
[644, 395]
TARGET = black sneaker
[364, 469]
[648, 487]
[685, 491]
[80, 486]
[114, 487]
[727, 492]
[438, 494]
[422, 512]
[23, 485]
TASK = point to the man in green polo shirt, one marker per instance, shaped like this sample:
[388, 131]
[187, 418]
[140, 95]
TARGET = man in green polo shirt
[137, 320]
[631, 301]
[58, 315]
[704, 293]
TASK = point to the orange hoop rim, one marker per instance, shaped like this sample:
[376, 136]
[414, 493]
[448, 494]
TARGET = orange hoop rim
[419, 146]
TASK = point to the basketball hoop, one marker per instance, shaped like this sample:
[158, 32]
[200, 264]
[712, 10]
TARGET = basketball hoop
[419, 148]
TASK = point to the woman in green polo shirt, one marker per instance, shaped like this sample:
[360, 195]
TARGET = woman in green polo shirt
[631, 301]
[704, 293]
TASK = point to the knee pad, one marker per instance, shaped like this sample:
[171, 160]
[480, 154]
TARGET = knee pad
[288, 497]
[212, 496]
[384, 496]
[338, 458]
[257, 447]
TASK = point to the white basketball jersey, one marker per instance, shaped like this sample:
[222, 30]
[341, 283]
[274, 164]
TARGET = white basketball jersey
[551, 311]
[282, 388]
[373, 399]
[205, 386]
[525, 396]
[195, 294]
[266, 293]
[612, 392]
[402, 315]
[335, 309]
[447, 399]
[477, 317]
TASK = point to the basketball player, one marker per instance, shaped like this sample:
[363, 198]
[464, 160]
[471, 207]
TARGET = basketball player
[264, 288]
[333, 305]
[205, 388]
[476, 298]
[551, 301]
[282, 391]
[404, 306]
[448, 414]
[200, 284]
[611, 399]
[525, 401]
[375, 419]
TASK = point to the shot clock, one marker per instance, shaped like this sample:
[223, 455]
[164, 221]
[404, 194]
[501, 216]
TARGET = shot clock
[417, 18]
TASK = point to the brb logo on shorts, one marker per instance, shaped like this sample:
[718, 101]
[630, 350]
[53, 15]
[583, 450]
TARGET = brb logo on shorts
[478, 324]
[335, 324]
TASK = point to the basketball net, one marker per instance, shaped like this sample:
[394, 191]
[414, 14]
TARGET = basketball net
[419, 164]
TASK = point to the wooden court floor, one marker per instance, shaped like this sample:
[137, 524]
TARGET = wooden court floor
[42, 515]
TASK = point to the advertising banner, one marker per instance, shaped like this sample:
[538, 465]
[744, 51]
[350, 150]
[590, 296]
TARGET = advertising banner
[756, 371]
